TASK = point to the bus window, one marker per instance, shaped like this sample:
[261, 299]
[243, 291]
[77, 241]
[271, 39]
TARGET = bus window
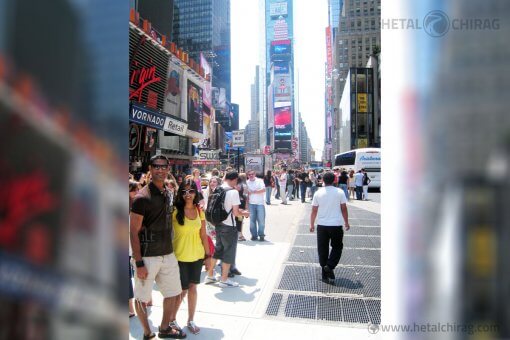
[346, 159]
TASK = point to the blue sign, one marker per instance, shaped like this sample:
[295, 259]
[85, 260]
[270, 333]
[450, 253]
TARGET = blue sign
[281, 67]
[141, 115]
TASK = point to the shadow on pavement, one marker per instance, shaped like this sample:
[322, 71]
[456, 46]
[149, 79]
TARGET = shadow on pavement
[236, 295]
[206, 333]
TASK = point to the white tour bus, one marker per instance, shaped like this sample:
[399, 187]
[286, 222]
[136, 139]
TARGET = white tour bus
[367, 158]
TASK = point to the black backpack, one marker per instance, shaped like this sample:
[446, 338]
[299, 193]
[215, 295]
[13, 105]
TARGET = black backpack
[215, 212]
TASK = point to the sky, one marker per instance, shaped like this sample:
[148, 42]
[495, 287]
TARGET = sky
[309, 55]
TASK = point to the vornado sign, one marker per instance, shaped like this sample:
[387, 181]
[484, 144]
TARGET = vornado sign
[144, 116]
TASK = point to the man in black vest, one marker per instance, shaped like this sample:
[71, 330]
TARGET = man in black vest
[151, 240]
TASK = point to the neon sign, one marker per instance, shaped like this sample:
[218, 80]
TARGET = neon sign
[142, 77]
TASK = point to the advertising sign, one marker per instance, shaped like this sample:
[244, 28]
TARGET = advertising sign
[277, 9]
[144, 116]
[329, 53]
[282, 88]
[281, 29]
[207, 157]
[195, 115]
[254, 163]
[281, 67]
[282, 144]
[282, 117]
[172, 103]
[238, 138]
[362, 102]
[281, 50]
[148, 71]
[150, 139]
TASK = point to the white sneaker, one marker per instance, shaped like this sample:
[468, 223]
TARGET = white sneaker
[228, 284]
[209, 280]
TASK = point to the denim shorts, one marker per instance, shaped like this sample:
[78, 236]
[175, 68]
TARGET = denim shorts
[226, 243]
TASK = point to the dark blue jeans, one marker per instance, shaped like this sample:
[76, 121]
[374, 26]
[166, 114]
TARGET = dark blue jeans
[302, 186]
[359, 192]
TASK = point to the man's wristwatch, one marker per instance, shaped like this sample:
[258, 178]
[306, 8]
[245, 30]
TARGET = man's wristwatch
[139, 264]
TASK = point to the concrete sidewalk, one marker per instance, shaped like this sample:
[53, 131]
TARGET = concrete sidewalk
[239, 313]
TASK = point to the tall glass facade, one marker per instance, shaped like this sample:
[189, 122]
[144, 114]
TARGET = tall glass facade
[357, 116]
[279, 64]
[334, 8]
[204, 26]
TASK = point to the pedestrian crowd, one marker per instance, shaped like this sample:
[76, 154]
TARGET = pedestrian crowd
[180, 224]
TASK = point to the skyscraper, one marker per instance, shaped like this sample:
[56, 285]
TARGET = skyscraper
[279, 75]
[334, 11]
[204, 26]
[358, 36]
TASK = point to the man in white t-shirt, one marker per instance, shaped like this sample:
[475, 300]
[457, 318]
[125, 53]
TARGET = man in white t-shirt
[358, 180]
[283, 185]
[226, 233]
[329, 207]
[256, 190]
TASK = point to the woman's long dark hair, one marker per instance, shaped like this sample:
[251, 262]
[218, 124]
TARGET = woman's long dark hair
[180, 202]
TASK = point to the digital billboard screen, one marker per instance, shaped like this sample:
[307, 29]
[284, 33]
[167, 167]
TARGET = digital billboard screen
[195, 113]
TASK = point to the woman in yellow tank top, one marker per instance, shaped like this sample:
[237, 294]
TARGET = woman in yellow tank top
[190, 246]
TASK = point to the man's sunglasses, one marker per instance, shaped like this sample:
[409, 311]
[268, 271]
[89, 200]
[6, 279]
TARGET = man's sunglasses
[159, 166]
[188, 192]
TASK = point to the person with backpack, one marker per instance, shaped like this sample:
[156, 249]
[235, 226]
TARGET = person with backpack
[222, 208]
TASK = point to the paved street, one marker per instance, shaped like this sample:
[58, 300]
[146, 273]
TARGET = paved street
[281, 295]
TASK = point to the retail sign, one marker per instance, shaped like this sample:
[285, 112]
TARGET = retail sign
[175, 126]
[209, 155]
[277, 9]
[238, 138]
[142, 115]
[362, 102]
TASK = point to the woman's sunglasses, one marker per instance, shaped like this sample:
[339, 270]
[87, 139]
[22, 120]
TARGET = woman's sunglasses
[188, 192]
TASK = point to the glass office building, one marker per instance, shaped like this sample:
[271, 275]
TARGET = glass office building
[204, 26]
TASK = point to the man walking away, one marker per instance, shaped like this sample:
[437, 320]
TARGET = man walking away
[358, 180]
[256, 192]
[151, 234]
[329, 207]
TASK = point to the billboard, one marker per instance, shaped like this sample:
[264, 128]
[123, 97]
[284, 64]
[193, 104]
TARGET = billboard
[282, 88]
[148, 66]
[329, 52]
[277, 9]
[281, 67]
[282, 117]
[195, 115]
[172, 103]
[281, 50]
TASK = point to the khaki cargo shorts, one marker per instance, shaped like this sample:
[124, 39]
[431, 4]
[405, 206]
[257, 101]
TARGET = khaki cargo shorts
[162, 269]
